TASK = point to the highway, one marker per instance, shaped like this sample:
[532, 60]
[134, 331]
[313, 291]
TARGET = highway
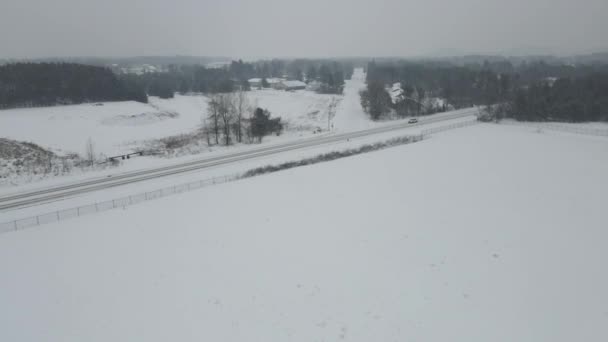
[58, 192]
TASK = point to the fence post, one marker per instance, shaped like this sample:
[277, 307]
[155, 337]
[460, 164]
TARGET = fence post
[96, 207]
[78, 211]
[130, 201]
[15, 224]
[57, 212]
[37, 220]
[113, 203]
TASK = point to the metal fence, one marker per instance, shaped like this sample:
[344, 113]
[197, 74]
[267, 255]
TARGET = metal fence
[568, 128]
[434, 130]
[123, 202]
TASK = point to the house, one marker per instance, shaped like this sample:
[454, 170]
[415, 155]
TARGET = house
[396, 93]
[313, 86]
[275, 83]
[293, 85]
[255, 82]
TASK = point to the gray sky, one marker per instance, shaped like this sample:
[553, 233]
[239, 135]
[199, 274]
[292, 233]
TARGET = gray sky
[307, 28]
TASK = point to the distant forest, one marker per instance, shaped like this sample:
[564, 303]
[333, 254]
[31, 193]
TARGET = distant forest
[48, 84]
[198, 79]
[531, 91]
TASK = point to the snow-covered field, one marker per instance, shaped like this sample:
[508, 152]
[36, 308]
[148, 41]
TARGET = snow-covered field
[302, 110]
[66, 129]
[585, 128]
[121, 127]
[487, 233]
[118, 128]
[193, 176]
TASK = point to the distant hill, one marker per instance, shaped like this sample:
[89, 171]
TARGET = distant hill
[132, 61]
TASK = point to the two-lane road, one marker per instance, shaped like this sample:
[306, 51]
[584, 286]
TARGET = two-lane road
[49, 194]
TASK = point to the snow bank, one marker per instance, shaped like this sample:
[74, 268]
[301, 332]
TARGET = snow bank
[138, 119]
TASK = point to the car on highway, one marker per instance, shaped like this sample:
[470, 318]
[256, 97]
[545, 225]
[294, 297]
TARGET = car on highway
[413, 120]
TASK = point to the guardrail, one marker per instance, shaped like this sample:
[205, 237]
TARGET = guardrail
[126, 201]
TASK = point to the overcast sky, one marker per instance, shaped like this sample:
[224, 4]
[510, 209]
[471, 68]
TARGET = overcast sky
[307, 28]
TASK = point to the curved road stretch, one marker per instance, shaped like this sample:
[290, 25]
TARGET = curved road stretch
[38, 196]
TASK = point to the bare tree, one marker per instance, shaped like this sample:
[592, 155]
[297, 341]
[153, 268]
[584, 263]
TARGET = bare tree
[226, 114]
[90, 152]
[214, 116]
[331, 111]
[206, 133]
[241, 106]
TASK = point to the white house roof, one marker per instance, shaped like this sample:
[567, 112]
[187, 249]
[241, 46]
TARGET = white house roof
[396, 92]
[294, 84]
[254, 80]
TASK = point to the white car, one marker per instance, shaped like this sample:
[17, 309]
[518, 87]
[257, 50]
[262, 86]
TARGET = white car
[413, 120]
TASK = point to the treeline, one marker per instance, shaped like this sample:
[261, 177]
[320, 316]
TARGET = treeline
[187, 79]
[197, 79]
[330, 74]
[526, 91]
[578, 99]
[48, 84]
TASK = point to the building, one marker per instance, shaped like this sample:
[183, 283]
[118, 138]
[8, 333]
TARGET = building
[275, 83]
[292, 85]
[255, 82]
[313, 86]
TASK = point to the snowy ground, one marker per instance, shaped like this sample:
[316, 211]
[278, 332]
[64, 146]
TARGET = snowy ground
[487, 233]
[302, 110]
[585, 128]
[350, 115]
[118, 128]
[65, 129]
[217, 171]
[121, 127]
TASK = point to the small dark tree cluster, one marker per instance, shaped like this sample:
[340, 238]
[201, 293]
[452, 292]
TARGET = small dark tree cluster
[261, 124]
[227, 120]
[375, 100]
